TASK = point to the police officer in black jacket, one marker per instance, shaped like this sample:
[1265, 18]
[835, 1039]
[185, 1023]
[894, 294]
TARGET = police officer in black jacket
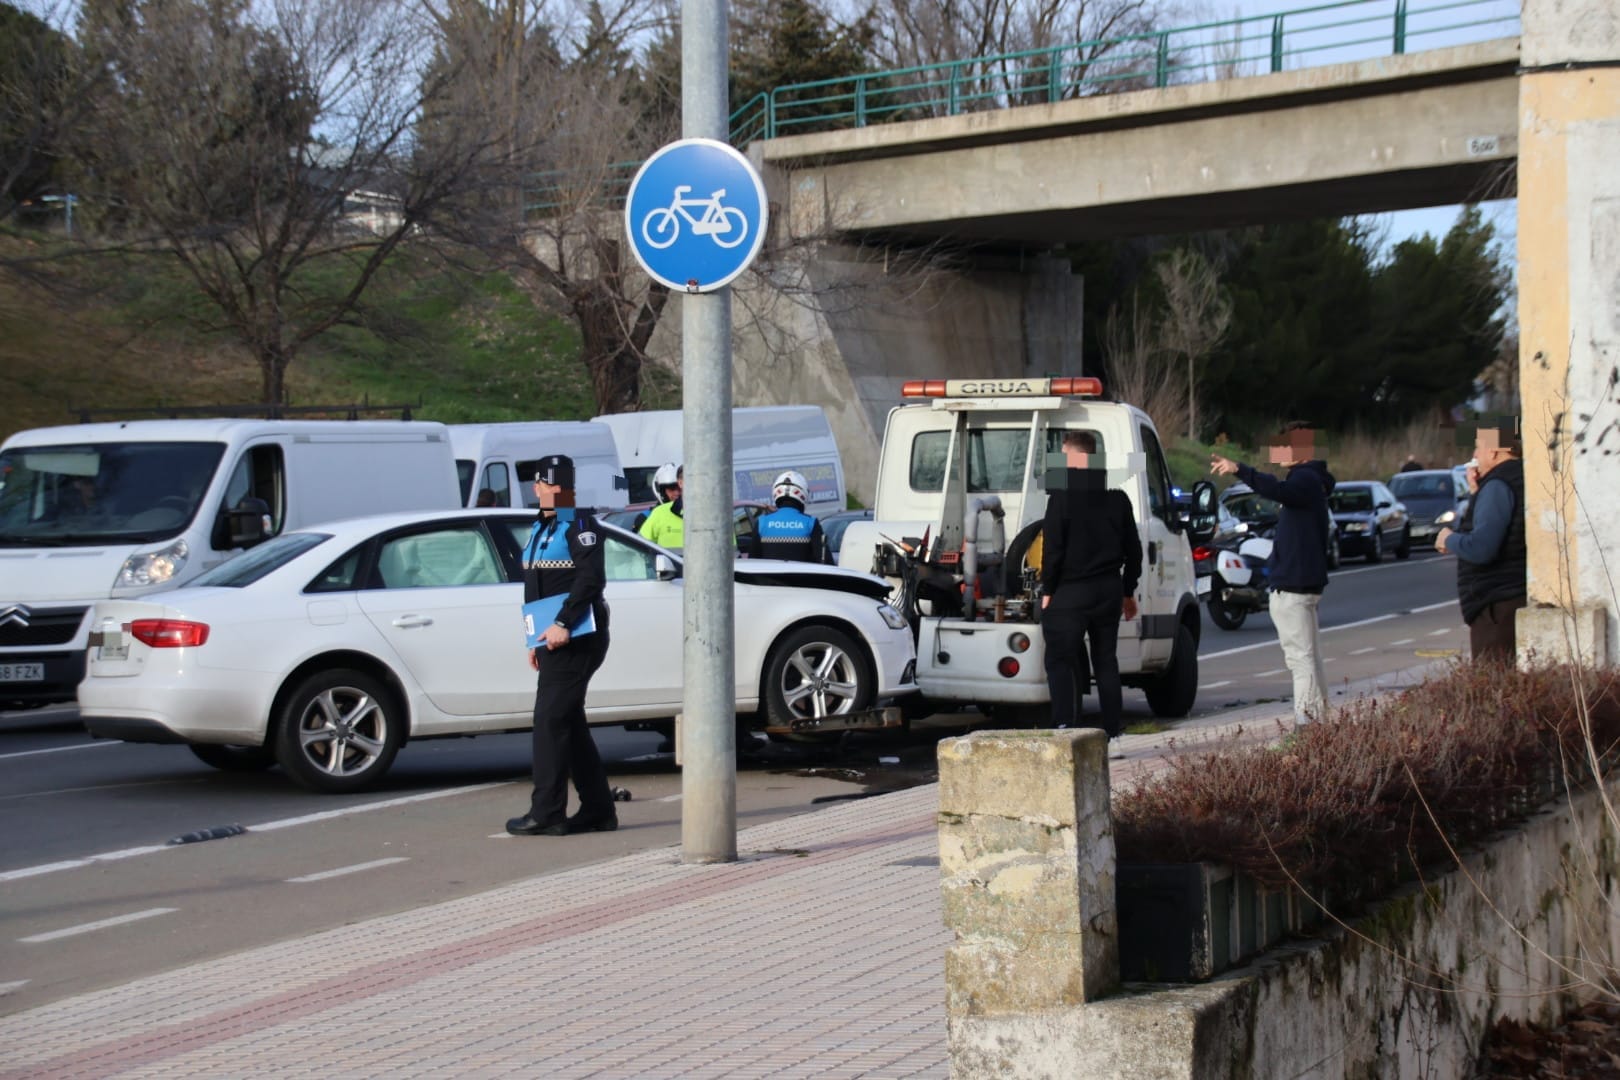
[1091, 562]
[563, 557]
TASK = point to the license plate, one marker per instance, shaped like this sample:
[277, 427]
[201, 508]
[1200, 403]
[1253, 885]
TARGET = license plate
[1203, 586]
[113, 652]
[22, 672]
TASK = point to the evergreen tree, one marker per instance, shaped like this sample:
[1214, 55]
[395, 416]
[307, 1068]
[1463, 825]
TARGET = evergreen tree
[793, 41]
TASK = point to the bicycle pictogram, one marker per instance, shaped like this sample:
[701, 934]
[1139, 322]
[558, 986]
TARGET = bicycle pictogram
[727, 226]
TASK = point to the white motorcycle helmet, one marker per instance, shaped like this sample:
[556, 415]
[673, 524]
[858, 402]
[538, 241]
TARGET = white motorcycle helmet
[791, 485]
[667, 476]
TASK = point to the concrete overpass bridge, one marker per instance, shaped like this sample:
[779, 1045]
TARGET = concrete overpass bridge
[1009, 157]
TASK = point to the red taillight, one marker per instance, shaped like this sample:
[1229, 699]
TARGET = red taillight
[1018, 643]
[169, 633]
[1008, 667]
[1202, 552]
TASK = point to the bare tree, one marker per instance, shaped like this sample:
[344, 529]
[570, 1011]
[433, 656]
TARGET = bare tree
[555, 115]
[1196, 315]
[1139, 370]
[233, 138]
[43, 92]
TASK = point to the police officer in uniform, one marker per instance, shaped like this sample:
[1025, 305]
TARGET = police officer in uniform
[788, 532]
[665, 524]
[667, 483]
[563, 556]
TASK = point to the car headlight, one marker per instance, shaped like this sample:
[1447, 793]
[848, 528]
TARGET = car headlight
[1355, 526]
[148, 568]
[892, 618]
[1446, 518]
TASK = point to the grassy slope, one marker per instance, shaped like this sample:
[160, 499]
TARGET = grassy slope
[468, 348]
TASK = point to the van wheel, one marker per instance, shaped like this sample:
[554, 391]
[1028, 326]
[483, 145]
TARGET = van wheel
[815, 672]
[1172, 694]
[339, 731]
[235, 758]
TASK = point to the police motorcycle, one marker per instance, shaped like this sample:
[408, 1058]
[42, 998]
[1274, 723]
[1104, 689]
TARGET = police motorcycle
[1233, 571]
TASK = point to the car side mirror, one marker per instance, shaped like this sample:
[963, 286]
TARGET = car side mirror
[1205, 515]
[1385, 505]
[666, 568]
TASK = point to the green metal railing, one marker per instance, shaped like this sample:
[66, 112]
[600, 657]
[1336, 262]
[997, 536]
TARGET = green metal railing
[1328, 33]
[1257, 44]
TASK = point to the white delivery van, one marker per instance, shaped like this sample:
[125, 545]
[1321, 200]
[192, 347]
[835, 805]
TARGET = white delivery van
[765, 440]
[495, 462]
[114, 510]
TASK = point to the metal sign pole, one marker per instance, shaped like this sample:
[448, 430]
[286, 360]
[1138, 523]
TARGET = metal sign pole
[709, 769]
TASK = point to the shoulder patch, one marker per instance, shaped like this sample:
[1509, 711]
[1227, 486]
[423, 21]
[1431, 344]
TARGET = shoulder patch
[586, 539]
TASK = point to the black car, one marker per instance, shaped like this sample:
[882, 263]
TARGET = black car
[1371, 521]
[1434, 499]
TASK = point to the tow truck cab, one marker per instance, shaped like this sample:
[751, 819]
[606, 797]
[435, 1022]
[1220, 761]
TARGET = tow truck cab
[961, 492]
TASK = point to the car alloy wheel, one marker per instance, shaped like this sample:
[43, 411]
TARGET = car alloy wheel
[815, 672]
[338, 731]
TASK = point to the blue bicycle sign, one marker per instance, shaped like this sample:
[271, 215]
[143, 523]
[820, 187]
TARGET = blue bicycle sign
[725, 225]
[689, 241]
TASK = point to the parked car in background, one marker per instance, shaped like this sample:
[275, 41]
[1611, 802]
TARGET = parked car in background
[744, 519]
[835, 524]
[325, 650]
[1434, 499]
[1244, 510]
[1371, 520]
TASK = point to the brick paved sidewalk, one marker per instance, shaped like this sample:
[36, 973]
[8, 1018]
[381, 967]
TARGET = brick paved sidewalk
[818, 954]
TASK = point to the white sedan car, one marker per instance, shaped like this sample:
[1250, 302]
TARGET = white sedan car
[326, 649]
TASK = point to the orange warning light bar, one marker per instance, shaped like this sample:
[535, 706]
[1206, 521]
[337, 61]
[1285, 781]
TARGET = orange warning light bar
[980, 388]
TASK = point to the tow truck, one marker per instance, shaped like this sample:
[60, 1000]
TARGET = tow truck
[962, 479]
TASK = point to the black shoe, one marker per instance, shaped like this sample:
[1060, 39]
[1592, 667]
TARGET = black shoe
[527, 826]
[607, 822]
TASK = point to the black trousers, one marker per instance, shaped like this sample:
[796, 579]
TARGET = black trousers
[1492, 636]
[1084, 612]
[563, 746]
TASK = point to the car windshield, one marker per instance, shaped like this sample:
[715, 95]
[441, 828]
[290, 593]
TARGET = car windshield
[255, 563]
[1438, 486]
[94, 493]
[1252, 508]
[1351, 501]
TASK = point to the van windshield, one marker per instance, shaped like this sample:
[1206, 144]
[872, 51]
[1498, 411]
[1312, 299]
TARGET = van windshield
[97, 493]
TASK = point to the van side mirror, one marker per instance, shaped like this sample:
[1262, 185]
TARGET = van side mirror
[248, 523]
[1205, 516]
[666, 568]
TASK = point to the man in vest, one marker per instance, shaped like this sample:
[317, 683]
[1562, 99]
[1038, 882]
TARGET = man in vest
[664, 525]
[1489, 543]
[788, 532]
[563, 562]
[667, 484]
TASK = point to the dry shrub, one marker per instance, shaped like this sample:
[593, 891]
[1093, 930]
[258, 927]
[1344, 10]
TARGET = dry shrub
[1349, 807]
[1360, 455]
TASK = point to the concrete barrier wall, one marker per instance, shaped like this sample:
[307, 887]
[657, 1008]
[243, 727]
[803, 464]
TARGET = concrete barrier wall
[1407, 991]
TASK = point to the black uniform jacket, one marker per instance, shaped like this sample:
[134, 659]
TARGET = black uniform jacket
[564, 555]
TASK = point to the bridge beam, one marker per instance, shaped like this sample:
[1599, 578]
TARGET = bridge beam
[1569, 322]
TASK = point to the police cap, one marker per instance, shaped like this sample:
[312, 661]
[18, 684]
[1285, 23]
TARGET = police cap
[558, 469]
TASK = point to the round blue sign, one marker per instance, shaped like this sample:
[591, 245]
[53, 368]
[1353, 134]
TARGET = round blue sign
[696, 215]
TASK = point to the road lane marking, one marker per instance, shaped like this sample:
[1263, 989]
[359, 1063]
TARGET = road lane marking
[1273, 671]
[1273, 641]
[1363, 652]
[268, 826]
[344, 870]
[1216, 685]
[99, 924]
[8, 987]
[671, 798]
[1335, 575]
[1442, 630]
[1434, 607]
[59, 749]
[102, 787]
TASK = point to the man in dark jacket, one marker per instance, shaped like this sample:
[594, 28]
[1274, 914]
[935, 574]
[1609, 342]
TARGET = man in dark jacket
[1298, 556]
[563, 563]
[1489, 544]
[1091, 561]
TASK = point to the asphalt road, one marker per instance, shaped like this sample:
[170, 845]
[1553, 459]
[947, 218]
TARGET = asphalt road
[91, 893]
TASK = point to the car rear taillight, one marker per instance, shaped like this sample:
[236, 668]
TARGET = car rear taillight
[169, 633]
[1202, 552]
[1008, 667]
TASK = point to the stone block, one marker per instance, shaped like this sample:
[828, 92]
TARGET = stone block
[1557, 635]
[1027, 871]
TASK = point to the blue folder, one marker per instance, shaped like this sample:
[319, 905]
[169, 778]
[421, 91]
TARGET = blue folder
[541, 613]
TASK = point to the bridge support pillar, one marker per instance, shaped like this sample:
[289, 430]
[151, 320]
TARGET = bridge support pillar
[1569, 320]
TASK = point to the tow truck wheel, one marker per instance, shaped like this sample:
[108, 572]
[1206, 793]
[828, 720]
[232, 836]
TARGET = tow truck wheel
[815, 672]
[1172, 694]
[1025, 549]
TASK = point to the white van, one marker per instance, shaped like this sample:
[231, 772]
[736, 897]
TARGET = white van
[94, 511]
[765, 440]
[495, 462]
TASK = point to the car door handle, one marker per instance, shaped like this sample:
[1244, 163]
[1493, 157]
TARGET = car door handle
[406, 622]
